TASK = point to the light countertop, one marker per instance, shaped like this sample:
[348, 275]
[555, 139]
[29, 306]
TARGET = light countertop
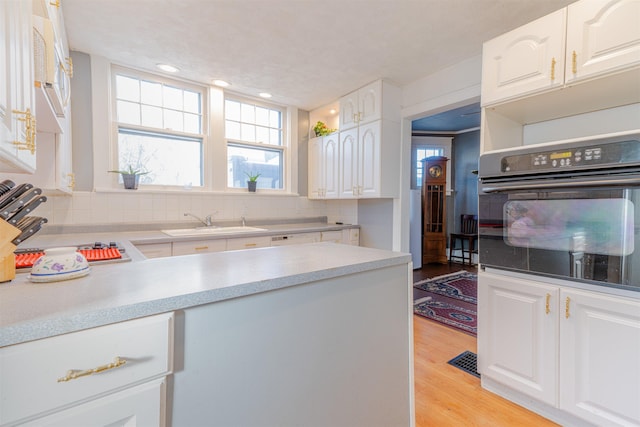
[123, 291]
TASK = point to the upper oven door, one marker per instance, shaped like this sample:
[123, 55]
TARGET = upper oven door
[583, 228]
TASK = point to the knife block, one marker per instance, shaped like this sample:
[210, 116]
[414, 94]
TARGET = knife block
[7, 257]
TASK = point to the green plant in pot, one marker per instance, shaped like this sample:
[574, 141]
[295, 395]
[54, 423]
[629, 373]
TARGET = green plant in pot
[253, 181]
[321, 129]
[130, 177]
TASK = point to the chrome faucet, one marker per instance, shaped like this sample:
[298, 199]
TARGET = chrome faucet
[206, 221]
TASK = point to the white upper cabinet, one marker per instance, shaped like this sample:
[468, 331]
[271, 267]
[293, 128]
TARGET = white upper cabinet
[602, 36]
[586, 39]
[323, 167]
[17, 115]
[361, 106]
[525, 60]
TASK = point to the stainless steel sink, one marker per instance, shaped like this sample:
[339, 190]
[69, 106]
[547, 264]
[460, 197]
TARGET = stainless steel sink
[208, 231]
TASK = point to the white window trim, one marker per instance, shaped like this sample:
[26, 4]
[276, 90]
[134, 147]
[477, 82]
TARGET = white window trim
[215, 178]
[432, 141]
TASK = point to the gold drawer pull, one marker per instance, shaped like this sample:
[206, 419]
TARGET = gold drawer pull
[247, 245]
[73, 374]
[547, 309]
[201, 248]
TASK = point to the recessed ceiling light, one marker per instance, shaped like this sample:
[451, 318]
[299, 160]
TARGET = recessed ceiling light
[168, 68]
[332, 111]
[221, 83]
[265, 95]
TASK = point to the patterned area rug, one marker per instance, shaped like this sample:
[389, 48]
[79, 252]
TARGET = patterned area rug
[450, 299]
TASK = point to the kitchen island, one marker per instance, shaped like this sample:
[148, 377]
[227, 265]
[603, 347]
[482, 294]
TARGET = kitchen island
[314, 334]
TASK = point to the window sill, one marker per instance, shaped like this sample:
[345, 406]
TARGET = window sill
[231, 192]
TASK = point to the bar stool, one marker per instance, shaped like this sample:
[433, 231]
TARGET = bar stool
[468, 233]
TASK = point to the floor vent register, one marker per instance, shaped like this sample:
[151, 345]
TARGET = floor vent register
[467, 361]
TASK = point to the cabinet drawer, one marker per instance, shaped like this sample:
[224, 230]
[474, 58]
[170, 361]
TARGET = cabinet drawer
[199, 247]
[35, 375]
[155, 250]
[248, 243]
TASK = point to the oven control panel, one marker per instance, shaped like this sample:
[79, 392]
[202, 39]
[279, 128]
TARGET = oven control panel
[613, 154]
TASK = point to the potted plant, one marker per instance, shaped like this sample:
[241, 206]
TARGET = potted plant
[252, 182]
[321, 129]
[130, 177]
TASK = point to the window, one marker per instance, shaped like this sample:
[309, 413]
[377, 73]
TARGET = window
[160, 128]
[255, 144]
[422, 147]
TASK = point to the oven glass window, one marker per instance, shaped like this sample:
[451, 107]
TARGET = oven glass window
[595, 226]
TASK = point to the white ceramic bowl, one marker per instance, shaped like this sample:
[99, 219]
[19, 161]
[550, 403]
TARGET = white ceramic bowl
[59, 264]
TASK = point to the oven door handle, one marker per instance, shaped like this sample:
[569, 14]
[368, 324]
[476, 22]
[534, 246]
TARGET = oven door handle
[538, 185]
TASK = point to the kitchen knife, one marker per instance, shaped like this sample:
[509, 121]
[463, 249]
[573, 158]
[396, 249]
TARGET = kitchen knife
[25, 210]
[29, 226]
[6, 211]
[14, 194]
[6, 186]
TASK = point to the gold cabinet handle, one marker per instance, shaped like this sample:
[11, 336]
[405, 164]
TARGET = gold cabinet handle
[574, 62]
[72, 180]
[73, 374]
[547, 308]
[248, 245]
[55, 3]
[68, 70]
[201, 248]
[30, 131]
[566, 307]
[553, 69]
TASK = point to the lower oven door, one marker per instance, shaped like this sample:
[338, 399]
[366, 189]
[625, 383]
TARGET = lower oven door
[585, 230]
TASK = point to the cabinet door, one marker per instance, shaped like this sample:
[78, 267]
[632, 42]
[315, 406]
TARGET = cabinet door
[315, 168]
[369, 160]
[331, 165]
[518, 334]
[155, 250]
[348, 163]
[600, 357]
[199, 247]
[349, 110]
[602, 36]
[139, 406]
[526, 60]
[16, 91]
[370, 102]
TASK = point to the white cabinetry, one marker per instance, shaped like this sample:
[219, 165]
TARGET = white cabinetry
[294, 239]
[561, 346]
[248, 242]
[199, 247]
[17, 115]
[586, 39]
[361, 106]
[323, 167]
[351, 236]
[71, 378]
[362, 151]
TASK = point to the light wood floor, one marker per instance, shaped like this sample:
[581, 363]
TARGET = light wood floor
[447, 396]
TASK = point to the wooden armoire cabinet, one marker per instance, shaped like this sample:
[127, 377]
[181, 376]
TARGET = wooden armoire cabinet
[434, 210]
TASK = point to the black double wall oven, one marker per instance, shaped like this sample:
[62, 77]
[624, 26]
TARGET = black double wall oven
[569, 210]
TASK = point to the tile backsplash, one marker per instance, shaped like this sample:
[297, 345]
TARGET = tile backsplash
[140, 207]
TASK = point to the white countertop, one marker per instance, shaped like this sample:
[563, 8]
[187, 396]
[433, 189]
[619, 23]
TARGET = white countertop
[123, 291]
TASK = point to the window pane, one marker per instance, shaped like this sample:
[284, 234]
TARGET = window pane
[191, 102]
[245, 160]
[248, 114]
[232, 130]
[173, 98]
[151, 93]
[262, 134]
[169, 160]
[173, 120]
[151, 116]
[127, 88]
[275, 137]
[191, 123]
[276, 119]
[232, 110]
[262, 116]
[128, 112]
[248, 133]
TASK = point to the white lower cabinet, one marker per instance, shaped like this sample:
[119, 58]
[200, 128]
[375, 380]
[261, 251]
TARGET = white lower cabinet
[248, 243]
[294, 239]
[573, 350]
[111, 375]
[199, 247]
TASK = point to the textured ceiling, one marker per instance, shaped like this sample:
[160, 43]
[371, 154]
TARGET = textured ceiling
[307, 53]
